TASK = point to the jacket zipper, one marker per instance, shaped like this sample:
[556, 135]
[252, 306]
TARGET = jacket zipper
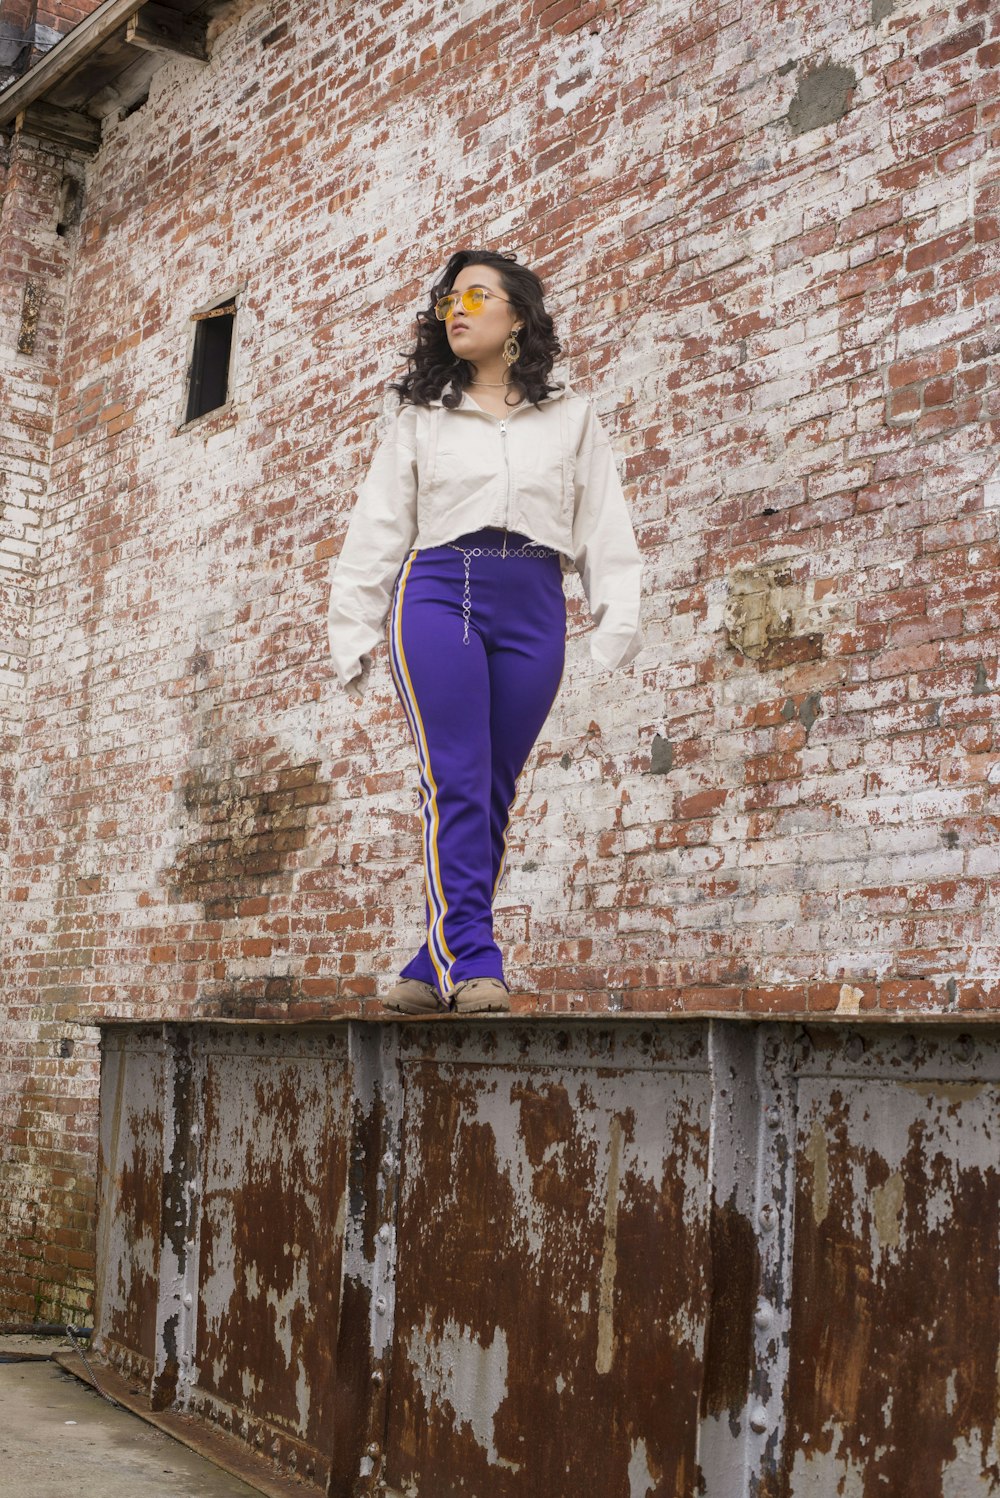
[506, 496]
[502, 423]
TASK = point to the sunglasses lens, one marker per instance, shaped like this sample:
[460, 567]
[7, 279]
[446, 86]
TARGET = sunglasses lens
[472, 300]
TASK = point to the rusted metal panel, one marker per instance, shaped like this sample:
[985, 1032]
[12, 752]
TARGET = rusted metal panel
[554, 1263]
[130, 1190]
[364, 1342]
[494, 1257]
[241, 1139]
[894, 1376]
[747, 1260]
[272, 1204]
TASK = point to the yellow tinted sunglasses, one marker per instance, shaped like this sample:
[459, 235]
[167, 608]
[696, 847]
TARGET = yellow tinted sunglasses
[473, 299]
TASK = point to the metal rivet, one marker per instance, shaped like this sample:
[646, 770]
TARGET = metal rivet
[854, 1047]
[963, 1048]
[387, 1160]
[763, 1316]
[377, 1376]
[374, 1448]
[767, 1217]
[773, 1117]
[758, 1419]
[384, 1233]
[381, 1306]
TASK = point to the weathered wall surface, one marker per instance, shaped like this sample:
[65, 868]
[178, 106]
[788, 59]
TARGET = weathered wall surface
[29, 28]
[46, 1100]
[769, 235]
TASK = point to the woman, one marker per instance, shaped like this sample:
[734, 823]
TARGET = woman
[488, 484]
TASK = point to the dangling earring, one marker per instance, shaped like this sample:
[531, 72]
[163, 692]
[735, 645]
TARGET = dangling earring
[511, 348]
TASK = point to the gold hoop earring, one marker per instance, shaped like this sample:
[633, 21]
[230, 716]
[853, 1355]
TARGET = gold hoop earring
[511, 348]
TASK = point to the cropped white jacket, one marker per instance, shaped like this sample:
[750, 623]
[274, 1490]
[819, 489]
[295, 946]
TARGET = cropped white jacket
[547, 471]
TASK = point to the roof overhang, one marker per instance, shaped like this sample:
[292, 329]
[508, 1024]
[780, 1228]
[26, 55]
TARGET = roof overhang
[101, 67]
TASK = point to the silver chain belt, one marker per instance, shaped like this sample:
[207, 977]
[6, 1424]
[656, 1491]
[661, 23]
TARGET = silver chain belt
[468, 552]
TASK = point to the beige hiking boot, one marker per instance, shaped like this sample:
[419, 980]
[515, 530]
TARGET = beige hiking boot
[410, 996]
[480, 995]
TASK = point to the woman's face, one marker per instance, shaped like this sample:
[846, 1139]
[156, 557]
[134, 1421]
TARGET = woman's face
[480, 336]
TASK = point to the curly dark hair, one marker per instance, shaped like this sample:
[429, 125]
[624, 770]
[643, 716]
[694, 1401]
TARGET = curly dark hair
[432, 363]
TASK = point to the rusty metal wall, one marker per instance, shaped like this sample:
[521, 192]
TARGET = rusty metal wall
[130, 1215]
[627, 1258]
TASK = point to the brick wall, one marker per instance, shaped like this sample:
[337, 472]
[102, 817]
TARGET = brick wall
[28, 28]
[46, 1103]
[16, 34]
[770, 236]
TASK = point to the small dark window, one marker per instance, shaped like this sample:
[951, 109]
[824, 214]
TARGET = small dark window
[213, 342]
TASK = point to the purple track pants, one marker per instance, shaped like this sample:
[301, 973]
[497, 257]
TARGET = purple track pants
[475, 710]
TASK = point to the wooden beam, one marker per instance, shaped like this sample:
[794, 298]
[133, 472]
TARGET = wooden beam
[158, 28]
[65, 127]
[60, 60]
[67, 53]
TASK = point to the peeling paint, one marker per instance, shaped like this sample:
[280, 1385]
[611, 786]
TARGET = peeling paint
[954, 1092]
[453, 1368]
[892, 1362]
[554, 1200]
[887, 1204]
[640, 1480]
[849, 1000]
[968, 1473]
[577, 68]
[609, 1258]
[817, 1155]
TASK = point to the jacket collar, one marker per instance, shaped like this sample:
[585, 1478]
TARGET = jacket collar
[554, 396]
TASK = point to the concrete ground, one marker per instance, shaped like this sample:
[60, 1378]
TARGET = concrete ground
[60, 1439]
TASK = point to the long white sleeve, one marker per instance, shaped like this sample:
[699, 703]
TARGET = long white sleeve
[605, 551]
[381, 530]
